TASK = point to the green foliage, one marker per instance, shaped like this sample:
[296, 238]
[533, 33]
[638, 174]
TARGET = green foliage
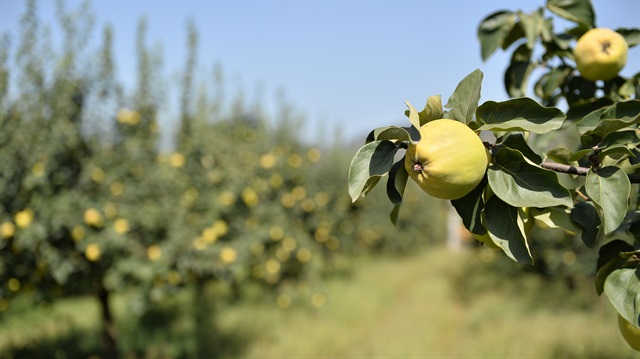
[589, 191]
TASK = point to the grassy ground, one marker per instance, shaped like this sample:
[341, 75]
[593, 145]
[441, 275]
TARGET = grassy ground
[431, 305]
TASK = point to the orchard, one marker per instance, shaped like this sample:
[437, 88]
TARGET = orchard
[93, 204]
[99, 200]
[585, 183]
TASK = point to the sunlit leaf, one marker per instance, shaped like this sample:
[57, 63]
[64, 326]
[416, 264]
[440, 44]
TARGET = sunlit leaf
[432, 110]
[609, 189]
[393, 133]
[464, 100]
[616, 150]
[372, 160]
[522, 114]
[414, 116]
[521, 183]
[614, 117]
[622, 287]
[556, 217]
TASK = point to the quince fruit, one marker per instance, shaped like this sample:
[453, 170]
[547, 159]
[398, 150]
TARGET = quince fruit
[629, 332]
[600, 54]
[449, 161]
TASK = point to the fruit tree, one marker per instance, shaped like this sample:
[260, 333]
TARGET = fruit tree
[568, 158]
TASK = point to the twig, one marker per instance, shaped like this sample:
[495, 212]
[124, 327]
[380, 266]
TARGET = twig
[580, 171]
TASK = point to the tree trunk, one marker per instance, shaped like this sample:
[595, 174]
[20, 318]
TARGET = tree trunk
[206, 335]
[109, 347]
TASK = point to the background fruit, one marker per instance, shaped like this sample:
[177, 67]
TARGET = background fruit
[449, 161]
[600, 54]
[630, 333]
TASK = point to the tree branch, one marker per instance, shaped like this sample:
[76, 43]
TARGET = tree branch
[581, 171]
[559, 167]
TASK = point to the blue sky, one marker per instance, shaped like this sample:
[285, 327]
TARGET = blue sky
[346, 65]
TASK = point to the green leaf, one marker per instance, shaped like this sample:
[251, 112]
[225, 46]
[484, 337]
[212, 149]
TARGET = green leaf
[586, 215]
[556, 217]
[622, 287]
[522, 114]
[551, 81]
[590, 121]
[579, 110]
[579, 11]
[464, 100]
[493, 30]
[394, 133]
[414, 116]
[372, 161]
[521, 183]
[432, 110]
[561, 155]
[532, 25]
[632, 36]
[609, 188]
[516, 77]
[517, 142]
[615, 117]
[580, 154]
[395, 212]
[470, 208]
[616, 150]
[515, 34]
[506, 230]
[609, 259]
[397, 182]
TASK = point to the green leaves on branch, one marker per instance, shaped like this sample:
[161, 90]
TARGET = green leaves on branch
[607, 120]
[520, 186]
[537, 47]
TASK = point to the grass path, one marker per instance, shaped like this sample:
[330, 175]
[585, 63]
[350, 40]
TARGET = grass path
[406, 308]
[427, 305]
